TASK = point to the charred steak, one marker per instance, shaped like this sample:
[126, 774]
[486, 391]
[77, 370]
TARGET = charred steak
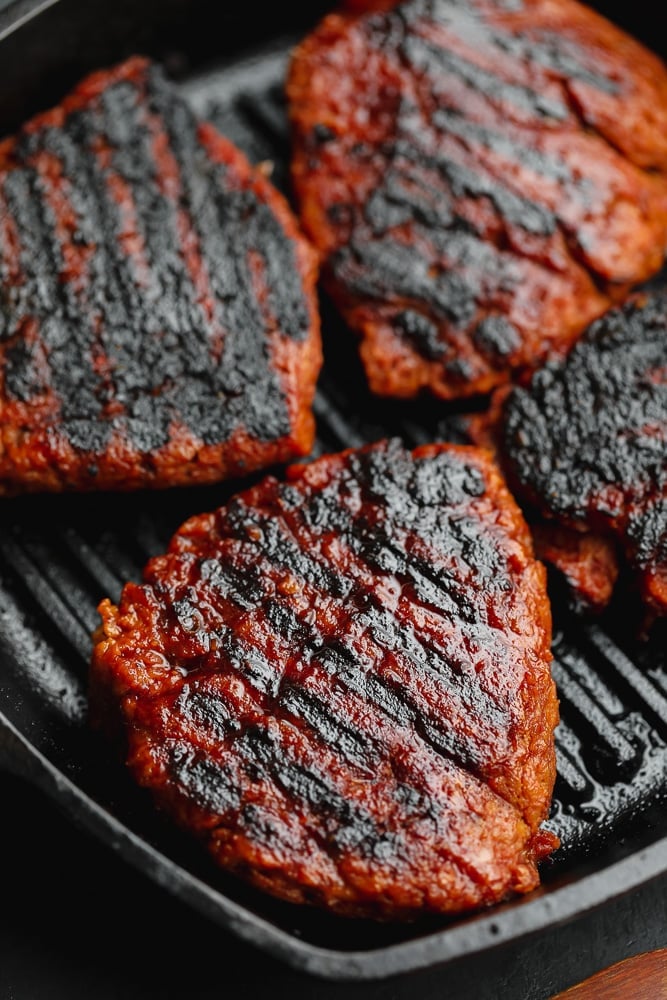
[586, 563]
[158, 323]
[586, 440]
[341, 684]
[482, 180]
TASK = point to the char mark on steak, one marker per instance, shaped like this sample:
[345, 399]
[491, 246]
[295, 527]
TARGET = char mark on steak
[482, 180]
[158, 323]
[341, 684]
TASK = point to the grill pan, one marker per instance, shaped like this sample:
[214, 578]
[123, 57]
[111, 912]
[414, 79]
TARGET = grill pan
[60, 555]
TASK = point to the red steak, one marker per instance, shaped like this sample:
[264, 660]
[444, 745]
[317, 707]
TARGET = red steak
[482, 180]
[341, 684]
[585, 442]
[158, 321]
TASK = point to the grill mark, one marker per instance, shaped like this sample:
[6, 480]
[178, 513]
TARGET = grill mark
[556, 53]
[170, 183]
[426, 660]
[371, 269]
[159, 374]
[26, 360]
[229, 225]
[260, 824]
[323, 701]
[262, 674]
[11, 277]
[379, 546]
[72, 351]
[405, 196]
[284, 294]
[388, 625]
[386, 628]
[240, 520]
[606, 410]
[465, 181]
[103, 375]
[551, 167]
[313, 647]
[25, 208]
[217, 219]
[113, 309]
[229, 783]
[376, 702]
[422, 56]
[331, 731]
[608, 372]
[23, 371]
[368, 267]
[282, 697]
[355, 830]
[51, 308]
[208, 783]
[543, 48]
[205, 710]
[400, 497]
[347, 824]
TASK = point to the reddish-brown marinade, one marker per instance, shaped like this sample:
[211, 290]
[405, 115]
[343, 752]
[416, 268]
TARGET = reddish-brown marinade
[158, 320]
[341, 684]
[587, 562]
[585, 442]
[482, 179]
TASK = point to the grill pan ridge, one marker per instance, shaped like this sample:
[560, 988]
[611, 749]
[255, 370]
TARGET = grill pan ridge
[60, 555]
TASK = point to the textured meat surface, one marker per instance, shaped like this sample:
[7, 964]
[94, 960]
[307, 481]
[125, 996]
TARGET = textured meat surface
[341, 683]
[586, 441]
[482, 180]
[587, 562]
[158, 323]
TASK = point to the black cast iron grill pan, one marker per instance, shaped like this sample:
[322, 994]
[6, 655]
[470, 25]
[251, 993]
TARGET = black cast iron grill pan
[60, 555]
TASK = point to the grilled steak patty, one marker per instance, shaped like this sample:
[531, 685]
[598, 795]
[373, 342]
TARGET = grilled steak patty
[341, 684]
[481, 178]
[586, 563]
[158, 322]
[586, 441]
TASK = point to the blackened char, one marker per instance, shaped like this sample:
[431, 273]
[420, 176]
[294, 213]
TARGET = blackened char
[157, 315]
[586, 440]
[341, 684]
[482, 179]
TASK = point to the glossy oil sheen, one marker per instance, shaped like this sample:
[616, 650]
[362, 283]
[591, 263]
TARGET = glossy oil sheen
[60, 557]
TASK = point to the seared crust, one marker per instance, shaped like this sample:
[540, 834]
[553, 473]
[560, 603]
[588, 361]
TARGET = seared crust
[341, 684]
[158, 319]
[586, 440]
[482, 180]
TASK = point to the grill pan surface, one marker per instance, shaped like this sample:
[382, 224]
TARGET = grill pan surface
[60, 555]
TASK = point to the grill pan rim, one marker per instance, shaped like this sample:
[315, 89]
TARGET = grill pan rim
[546, 911]
[542, 911]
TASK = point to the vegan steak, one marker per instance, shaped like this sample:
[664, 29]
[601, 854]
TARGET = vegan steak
[482, 179]
[341, 684]
[586, 443]
[158, 323]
